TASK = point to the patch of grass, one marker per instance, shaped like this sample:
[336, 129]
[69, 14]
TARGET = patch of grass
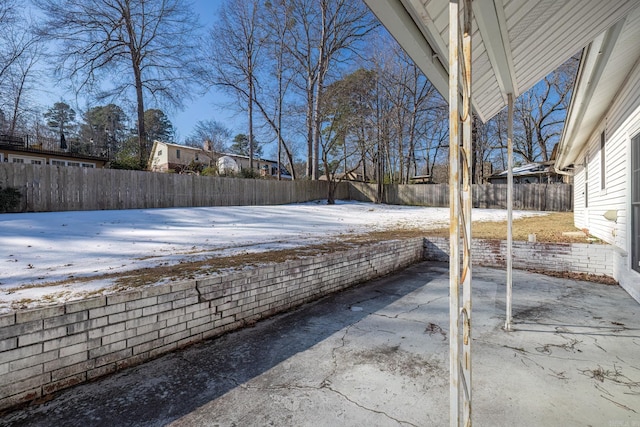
[547, 228]
[23, 303]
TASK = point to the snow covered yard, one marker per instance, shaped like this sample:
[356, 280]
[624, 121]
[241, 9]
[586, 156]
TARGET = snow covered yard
[60, 256]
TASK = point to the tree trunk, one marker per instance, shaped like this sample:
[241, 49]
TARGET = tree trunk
[250, 112]
[323, 64]
[142, 134]
[137, 74]
[279, 117]
[411, 161]
[317, 125]
[401, 157]
[16, 105]
[310, 103]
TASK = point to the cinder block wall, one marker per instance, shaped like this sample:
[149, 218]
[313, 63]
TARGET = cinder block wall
[48, 349]
[569, 257]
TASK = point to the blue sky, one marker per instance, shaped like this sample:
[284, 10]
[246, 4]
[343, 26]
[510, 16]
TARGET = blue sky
[208, 106]
[201, 107]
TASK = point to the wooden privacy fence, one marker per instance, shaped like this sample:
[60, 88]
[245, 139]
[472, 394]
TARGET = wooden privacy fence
[539, 197]
[51, 188]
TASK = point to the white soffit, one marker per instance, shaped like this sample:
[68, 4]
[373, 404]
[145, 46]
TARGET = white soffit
[605, 65]
[516, 42]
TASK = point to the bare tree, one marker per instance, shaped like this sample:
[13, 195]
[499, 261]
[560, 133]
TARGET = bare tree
[19, 80]
[144, 45]
[539, 117]
[324, 32]
[277, 24]
[8, 53]
[20, 51]
[212, 131]
[236, 48]
[541, 112]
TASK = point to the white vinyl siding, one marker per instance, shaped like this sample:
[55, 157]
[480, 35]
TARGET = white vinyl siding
[579, 212]
[622, 122]
[603, 158]
[634, 215]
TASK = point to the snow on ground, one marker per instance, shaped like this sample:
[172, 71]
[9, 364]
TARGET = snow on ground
[37, 249]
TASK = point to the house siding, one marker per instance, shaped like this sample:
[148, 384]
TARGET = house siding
[620, 124]
[56, 159]
[165, 157]
[579, 212]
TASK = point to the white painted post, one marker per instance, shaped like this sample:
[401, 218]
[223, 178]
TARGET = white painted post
[460, 201]
[454, 220]
[507, 324]
[467, 201]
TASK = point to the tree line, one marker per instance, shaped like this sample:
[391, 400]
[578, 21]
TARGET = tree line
[320, 83]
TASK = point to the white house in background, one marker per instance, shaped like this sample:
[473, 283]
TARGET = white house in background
[167, 157]
[600, 145]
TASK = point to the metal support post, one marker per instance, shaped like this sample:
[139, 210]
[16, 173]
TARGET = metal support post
[507, 324]
[460, 201]
[467, 199]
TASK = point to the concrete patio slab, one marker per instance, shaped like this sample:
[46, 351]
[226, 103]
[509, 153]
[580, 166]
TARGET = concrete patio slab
[377, 355]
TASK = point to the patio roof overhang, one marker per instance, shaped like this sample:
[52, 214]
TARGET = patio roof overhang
[604, 67]
[516, 42]
[500, 49]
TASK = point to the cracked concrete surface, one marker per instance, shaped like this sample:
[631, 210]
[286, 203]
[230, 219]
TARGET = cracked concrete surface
[377, 355]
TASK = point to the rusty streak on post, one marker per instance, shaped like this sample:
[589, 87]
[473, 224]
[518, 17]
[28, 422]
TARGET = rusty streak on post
[466, 215]
[454, 221]
[460, 201]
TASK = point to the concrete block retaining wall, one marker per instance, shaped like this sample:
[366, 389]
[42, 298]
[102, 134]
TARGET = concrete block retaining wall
[51, 348]
[569, 257]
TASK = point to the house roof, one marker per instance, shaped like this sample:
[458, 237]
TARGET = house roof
[177, 146]
[515, 42]
[605, 65]
[202, 150]
[7, 147]
[526, 170]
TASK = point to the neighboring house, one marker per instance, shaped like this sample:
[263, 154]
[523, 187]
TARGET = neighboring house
[167, 157]
[18, 150]
[531, 173]
[600, 145]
